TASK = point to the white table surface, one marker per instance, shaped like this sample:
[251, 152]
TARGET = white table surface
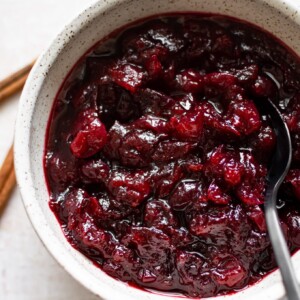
[27, 270]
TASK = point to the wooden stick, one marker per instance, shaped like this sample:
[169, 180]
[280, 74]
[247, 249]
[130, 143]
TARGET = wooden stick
[8, 87]
[6, 167]
[14, 82]
[7, 178]
[13, 77]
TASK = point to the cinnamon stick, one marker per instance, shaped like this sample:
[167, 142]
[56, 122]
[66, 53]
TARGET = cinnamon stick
[14, 82]
[7, 178]
[8, 87]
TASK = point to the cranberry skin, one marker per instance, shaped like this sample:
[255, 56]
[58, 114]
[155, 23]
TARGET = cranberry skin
[238, 118]
[180, 236]
[96, 68]
[93, 237]
[229, 272]
[251, 195]
[153, 123]
[263, 87]
[154, 102]
[167, 37]
[187, 127]
[291, 220]
[190, 81]
[257, 242]
[157, 38]
[220, 81]
[188, 266]
[247, 75]
[234, 93]
[126, 108]
[170, 150]
[146, 276]
[154, 67]
[74, 204]
[115, 103]
[185, 194]
[133, 148]
[224, 165]
[244, 117]
[293, 179]
[256, 214]
[122, 260]
[151, 244]
[267, 260]
[62, 172]
[84, 95]
[90, 138]
[158, 214]
[292, 115]
[130, 188]
[95, 171]
[296, 147]
[200, 36]
[251, 191]
[137, 147]
[223, 45]
[223, 225]
[114, 140]
[192, 164]
[164, 178]
[263, 143]
[183, 104]
[217, 195]
[169, 74]
[214, 120]
[78, 203]
[128, 76]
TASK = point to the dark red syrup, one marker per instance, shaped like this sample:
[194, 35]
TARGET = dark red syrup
[156, 154]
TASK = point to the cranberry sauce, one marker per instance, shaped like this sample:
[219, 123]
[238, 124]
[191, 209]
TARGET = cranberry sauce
[156, 155]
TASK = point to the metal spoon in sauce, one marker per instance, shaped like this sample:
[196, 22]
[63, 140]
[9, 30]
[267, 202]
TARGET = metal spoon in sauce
[279, 167]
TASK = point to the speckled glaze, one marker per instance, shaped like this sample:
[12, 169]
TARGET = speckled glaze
[280, 18]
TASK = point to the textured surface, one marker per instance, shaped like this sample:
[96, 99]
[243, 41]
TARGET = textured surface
[17, 49]
[180, 136]
[27, 270]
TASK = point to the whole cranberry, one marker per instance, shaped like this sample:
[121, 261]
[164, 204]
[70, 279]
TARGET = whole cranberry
[291, 219]
[129, 187]
[128, 76]
[185, 194]
[190, 81]
[95, 171]
[188, 126]
[229, 272]
[90, 136]
[158, 213]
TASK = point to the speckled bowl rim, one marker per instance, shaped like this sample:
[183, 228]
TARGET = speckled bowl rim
[22, 153]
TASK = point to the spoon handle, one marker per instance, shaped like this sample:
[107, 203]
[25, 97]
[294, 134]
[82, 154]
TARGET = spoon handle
[280, 248]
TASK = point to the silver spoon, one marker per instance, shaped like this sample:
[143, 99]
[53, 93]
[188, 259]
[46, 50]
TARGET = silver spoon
[279, 167]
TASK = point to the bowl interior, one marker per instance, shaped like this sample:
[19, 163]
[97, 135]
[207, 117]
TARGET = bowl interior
[43, 84]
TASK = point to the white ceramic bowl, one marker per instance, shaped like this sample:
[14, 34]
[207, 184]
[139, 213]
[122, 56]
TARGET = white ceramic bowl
[280, 18]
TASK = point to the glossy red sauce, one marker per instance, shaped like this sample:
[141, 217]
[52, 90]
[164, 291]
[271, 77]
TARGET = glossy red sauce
[156, 155]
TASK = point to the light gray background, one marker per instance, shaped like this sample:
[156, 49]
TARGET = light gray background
[27, 271]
